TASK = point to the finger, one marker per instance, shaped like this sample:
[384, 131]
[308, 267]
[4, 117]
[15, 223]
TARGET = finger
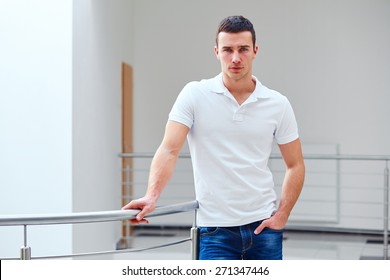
[128, 206]
[263, 225]
[140, 216]
[258, 230]
[136, 222]
[134, 204]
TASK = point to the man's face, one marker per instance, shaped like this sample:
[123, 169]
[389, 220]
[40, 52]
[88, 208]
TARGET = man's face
[236, 53]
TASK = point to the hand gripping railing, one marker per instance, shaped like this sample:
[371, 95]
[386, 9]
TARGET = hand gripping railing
[103, 216]
[336, 157]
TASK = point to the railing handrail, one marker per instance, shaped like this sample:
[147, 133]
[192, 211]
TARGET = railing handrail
[278, 156]
[337, 157]
[92, 217]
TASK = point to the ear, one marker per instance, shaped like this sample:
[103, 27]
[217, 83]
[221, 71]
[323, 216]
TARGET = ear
[216, 52]
[256, 49]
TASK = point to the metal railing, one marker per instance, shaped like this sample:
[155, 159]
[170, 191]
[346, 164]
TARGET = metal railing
[93, 217]
[386, 186]
[331, 195]
[102, 216]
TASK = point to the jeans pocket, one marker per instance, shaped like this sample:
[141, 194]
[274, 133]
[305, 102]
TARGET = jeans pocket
[273, 230]
[208, 230]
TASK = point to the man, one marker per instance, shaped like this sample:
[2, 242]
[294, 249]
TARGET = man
[231, 122]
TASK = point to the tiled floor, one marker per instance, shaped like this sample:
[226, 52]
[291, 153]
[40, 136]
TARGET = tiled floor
[331, 246]
[297, 246]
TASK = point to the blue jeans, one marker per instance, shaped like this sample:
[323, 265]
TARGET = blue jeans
[240, 243]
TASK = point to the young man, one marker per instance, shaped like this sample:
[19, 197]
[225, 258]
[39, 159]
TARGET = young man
[231, 122]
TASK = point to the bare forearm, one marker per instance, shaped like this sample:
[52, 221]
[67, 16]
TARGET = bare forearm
[292, 186]
[161, 170]
[291, 189]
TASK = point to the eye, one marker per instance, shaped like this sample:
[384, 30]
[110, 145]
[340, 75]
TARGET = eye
[244, 49]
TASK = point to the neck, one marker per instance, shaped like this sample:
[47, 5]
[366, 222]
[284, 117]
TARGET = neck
[241, 89]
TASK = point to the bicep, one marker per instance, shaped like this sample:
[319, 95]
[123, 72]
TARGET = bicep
[174, 136]
[292, 153]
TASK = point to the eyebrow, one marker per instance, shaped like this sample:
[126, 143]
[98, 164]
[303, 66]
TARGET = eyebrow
[242, 46]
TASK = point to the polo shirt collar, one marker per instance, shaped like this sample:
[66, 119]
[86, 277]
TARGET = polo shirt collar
[260, 91]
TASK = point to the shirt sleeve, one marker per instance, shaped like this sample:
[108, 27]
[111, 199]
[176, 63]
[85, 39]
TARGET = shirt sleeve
[287, 130]
[183, 109]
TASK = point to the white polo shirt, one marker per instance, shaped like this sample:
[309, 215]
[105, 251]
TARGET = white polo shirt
[230, 146]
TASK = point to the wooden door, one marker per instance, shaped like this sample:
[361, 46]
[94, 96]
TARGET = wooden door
[127, 145]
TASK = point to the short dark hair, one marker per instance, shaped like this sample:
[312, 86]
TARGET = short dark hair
[236, 24]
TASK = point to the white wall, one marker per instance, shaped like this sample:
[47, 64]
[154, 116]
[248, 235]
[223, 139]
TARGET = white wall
[59, 142]
[35, 121]
[102, 41]
[60, 118]
[330, 58]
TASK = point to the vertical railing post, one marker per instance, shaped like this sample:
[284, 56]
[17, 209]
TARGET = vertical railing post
[128, 198]
[386, 213]
[25, 251]
[195, 239]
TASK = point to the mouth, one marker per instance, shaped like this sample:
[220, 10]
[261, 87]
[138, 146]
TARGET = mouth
[235, 68]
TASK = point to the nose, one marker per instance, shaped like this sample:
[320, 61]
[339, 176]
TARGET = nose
[235, 57]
